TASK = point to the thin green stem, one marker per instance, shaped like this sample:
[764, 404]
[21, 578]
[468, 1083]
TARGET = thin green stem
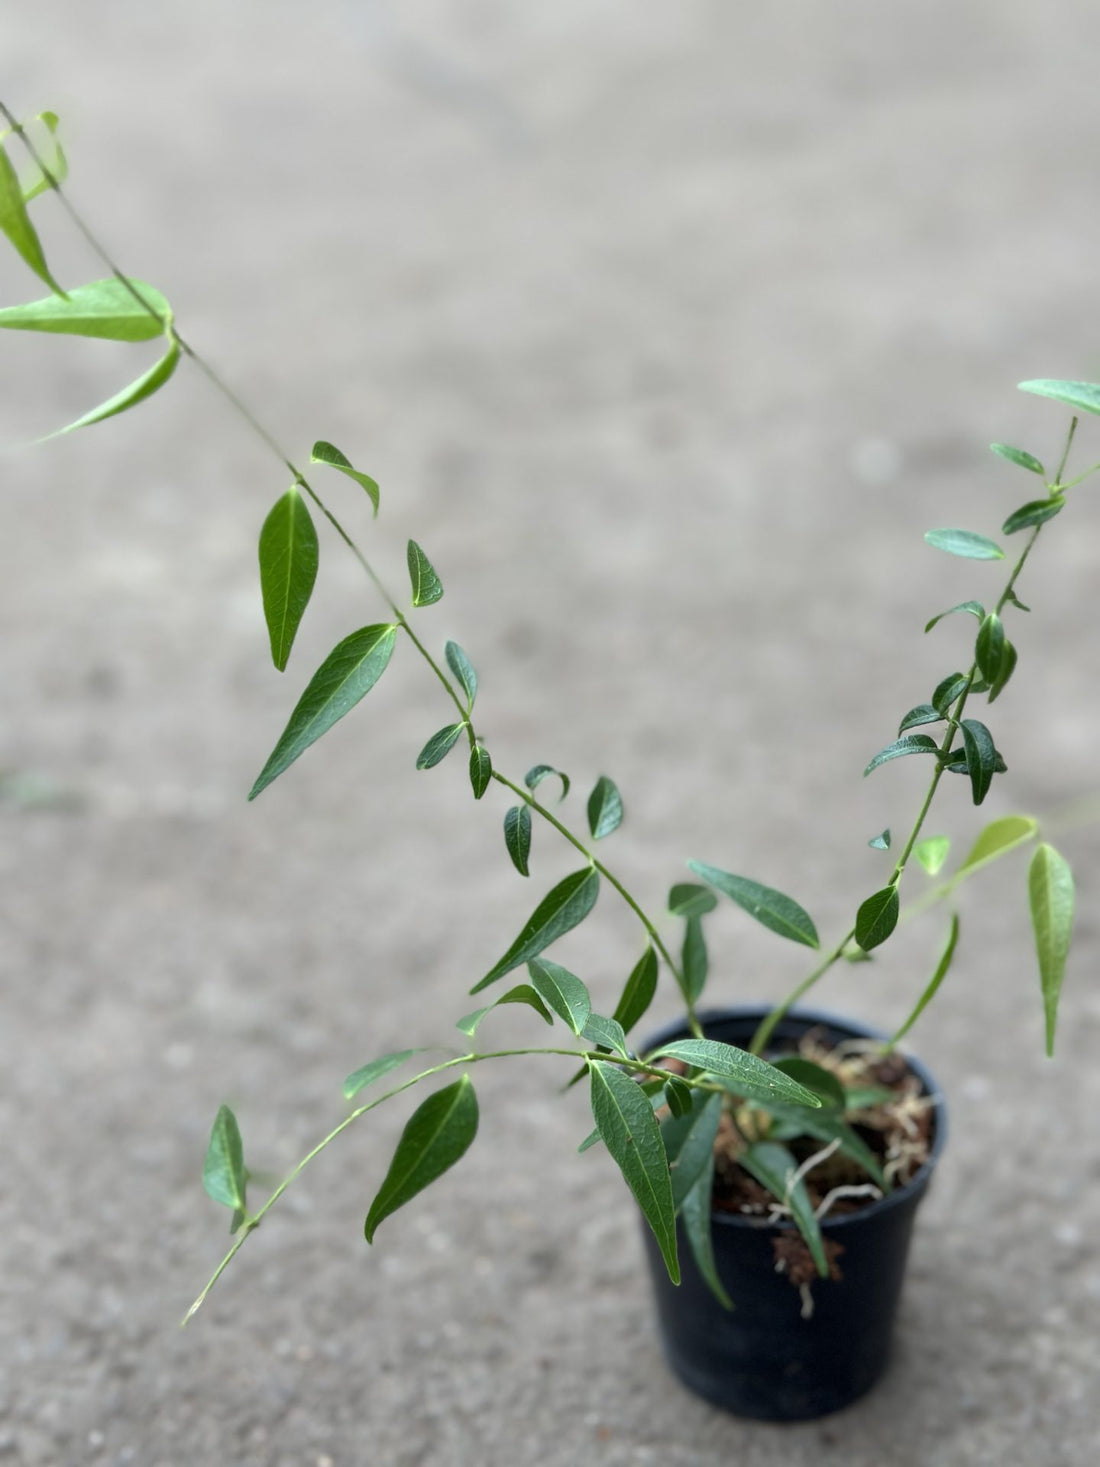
[1065, 453]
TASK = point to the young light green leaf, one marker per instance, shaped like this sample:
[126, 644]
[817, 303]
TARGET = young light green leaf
[931, 853]
[1082, 395]
[921, 714]
[688, 899]
[327, 453]
[517, 836]
[695, 1214]
[821, 1081]
[347, 674]
[534, 777]
[688, 1140]
[224, 1178]
[752, 1078]
[439, 745]
[366, 1074]
[438, 1134]
[1019, 456]
[1035, 512]
[104, 308]
[138, 390]
[629, 1130]
[989, 647]
[638, 993]
[463, 670]
[880, 842]
[775, 1168]
[1008, 667]
[981, 757]
[427, 588]
[937, 978]
[563, 991]
[997, 839]
[877, 917]
[288, 570]
[16, 223]
[605, 808]
[693, 959]
[522, 993]
[777, 912]
[974, 608]
[910, 744]
[562, 909]
[481, 770]
[965, 543]
[947, 690]
[58, 164]
[599, 1029]
[1051, 898]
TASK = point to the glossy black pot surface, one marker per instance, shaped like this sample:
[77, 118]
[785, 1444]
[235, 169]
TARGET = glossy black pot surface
[763, 1359]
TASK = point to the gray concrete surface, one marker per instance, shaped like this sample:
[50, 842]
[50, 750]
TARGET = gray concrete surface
[667, 331]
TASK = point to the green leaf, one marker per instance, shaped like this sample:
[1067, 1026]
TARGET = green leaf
[695, 1214]
[609, 1032]
[937, 978]
[947, 690]
[827, 1125]
[880, 842]
[965, 543]
[752, 1078]
[463, 670]
[777, 912]
[438, 1134]
[327, 453]
[1050, 893]
[439, 745]
[288, 570]
[775, 1168]
[534, 777]
[629, 1130]
[481, 770]
[1082, 395]
[1019, 456]
[957, 763]
[638, 993]
[688, 899]
[1008, 667]
[522, 993]
[562, 909]
[997, 839]
[989, 647]
[974, 608]
[366, 1075]
[932, 853]
[563, 991]
[427, 588]
[103, 308]
[517, 836]
[1015, 600]
[910, 744]
[1035, 512]
[605, 808]
[138, 390]
[678, 1096]
[693, 959]
[224, 1178]
[877, 917]
[922, 713]
[347, 674]
[981, 756]
[16, 223]
[821, 1081]
[58, 165]
[688, 1139]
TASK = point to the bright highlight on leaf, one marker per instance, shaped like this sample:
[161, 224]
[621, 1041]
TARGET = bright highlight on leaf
[15, 222]
[327, 453]
[288, 570]
[1051, 898]
[107, 309]
[438, 1134]
[605, 808]
[965, 543]
[779, 913]
[562, 909]
[427, 588]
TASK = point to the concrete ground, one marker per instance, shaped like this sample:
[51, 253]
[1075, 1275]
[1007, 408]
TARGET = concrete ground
[667, 330]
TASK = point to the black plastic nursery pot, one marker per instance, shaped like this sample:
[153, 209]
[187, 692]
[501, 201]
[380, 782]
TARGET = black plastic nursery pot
[762, 1359]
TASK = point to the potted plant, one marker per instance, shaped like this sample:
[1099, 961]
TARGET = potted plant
[776, 1156]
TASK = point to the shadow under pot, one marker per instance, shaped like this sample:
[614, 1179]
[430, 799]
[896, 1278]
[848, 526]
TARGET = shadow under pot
[763, 1358]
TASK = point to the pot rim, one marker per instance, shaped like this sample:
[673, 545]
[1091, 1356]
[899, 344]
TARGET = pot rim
[909, 1191]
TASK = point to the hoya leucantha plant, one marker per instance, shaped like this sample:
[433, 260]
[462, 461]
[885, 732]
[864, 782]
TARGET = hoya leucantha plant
[656, 1113]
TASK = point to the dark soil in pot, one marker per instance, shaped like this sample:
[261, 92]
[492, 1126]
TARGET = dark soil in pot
[790, 1349]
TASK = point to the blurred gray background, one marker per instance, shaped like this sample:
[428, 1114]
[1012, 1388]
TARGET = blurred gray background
[667, 330]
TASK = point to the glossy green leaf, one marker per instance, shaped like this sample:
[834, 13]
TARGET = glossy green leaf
[599, 1029]
[751, 1077]
[947, 690]
[638, 993]
[921, 714]
[678, 1096]
[15, 222]
[1082, 395]
[534, 777]
[689, 899]
[427, 588]
[877, 917]
[463, 670]
[481, 770]
[932, 852]
[57, 164]
[224, 1178]
[562, 991]
[958, 763]
[347, 674]
[964, 543]
[517, 836]
[937, 978]
[103, 308]
[522, 993]
[695, 1216]
[821, 1081]
[439, 1133]
[1008, 667]
[605, 808]
[1036, 512]
[997, 839]
[439, 745]
[779, 913]
[989, 647]
[688, 1139]
[327, 453]
[288, 570]
[629, 1130]
[910, 744]
[1019, 456]
[981, 756]
[562, 909]
[1051, 897]
[138, 390]
[880, 842]
[973, 608]
[775, 1168]
[367, 1074]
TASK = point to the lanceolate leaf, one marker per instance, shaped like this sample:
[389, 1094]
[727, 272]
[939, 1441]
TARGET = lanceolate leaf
[347, 674]
[563, 991]
[599, 1029]
[932, 853]
[438, 1134]
[975, 608]
[695, 1214]
[981, 757]
[997, 839]
[562, 909]
[58, 165]
[1037, 512]
[1082, 395]
[638, 994]
[1019, 456]
[427, 588]
[629, 1130]
[922, 713]
[877, 917]
[821, 1081]
[223, 1174]
[777, 912]
[439, 745]
[937, 978]
[910, 744]
[965, 543]
[463, 670]
[688, 899]
[104, 308]
[1050, 892]
[144, 386]
[517, 836]
[750, 1077]
[947, 690]
[689, 1141]
[989, 647]
[694, 960]
[775, 1168]
[16, 222]
[1008, 667]
[534, 777]
[326, 453]
[288, 570]
[481, 770]
[367, 1074]
[605, 808]
[522, 993]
